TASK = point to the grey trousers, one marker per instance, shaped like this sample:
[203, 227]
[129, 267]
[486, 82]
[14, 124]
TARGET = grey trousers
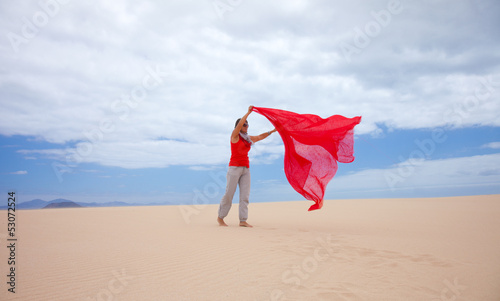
[236, 175]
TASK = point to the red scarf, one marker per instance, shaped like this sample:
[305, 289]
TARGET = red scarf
[313, 146]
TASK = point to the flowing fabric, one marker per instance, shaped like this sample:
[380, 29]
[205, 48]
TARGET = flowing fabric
[313, 146]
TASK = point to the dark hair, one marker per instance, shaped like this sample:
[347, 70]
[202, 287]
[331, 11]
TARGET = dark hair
[238, 121]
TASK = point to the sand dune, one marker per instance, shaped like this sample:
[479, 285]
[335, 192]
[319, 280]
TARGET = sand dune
[387, 249]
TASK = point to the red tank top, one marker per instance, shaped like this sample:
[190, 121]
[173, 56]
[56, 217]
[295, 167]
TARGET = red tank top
[239, 153]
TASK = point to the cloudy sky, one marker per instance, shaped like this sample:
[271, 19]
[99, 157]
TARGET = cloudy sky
[126, 101]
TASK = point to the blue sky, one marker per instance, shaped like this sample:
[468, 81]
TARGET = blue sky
[135, 102]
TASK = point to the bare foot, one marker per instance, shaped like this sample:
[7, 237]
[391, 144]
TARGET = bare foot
[245, 224]
[221, 222]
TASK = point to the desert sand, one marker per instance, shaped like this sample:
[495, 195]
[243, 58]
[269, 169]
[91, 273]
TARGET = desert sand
[378, 249]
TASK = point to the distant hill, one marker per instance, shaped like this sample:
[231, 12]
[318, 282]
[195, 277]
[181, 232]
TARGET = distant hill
[36, 204]
[68, 204]
[40, 204]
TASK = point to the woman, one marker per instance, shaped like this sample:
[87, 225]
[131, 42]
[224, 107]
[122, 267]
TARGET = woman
[239, 172]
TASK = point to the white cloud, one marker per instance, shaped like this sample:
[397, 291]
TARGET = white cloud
[419, 176]
[69, 79]
[494, 145]
[20, 172]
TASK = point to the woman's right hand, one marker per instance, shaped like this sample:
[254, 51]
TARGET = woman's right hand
[250, 108]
